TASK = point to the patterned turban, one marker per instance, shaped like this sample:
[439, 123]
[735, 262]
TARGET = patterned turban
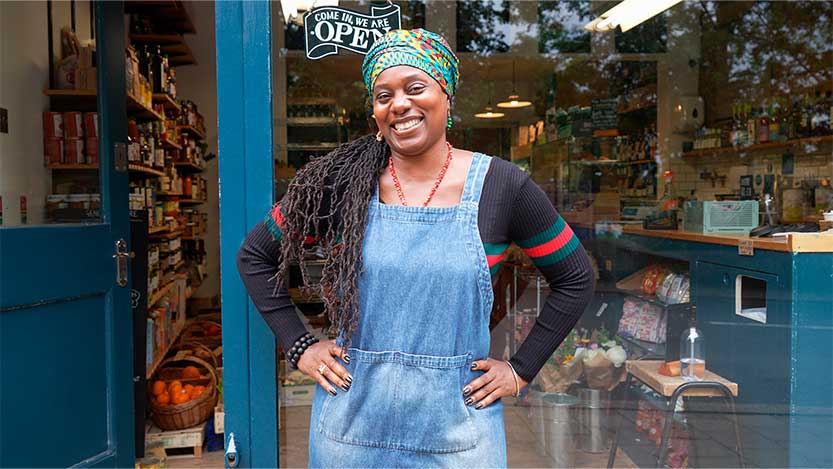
[417, 48]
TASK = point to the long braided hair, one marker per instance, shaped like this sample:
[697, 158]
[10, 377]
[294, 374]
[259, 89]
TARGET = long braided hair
[328, 199]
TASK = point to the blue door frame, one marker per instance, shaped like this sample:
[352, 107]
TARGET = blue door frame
[244, 100]
[66, 343]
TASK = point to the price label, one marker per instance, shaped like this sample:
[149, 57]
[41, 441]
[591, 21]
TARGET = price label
[745, 247]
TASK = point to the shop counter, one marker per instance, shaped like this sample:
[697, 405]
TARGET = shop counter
[766, 309]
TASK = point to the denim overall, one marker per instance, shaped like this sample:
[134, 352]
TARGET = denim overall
[425, 297]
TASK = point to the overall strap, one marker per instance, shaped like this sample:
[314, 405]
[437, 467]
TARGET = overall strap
[475, 178]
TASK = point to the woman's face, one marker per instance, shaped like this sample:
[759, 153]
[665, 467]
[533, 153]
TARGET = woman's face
[411, 110]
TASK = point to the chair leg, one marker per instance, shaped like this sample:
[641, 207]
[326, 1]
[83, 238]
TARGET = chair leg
[731, 399]
[666, 429]
[615, 446]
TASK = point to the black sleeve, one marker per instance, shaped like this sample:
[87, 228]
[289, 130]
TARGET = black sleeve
[557, 253]
[257, 263]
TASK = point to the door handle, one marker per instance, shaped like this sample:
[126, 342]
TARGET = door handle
[121, 256]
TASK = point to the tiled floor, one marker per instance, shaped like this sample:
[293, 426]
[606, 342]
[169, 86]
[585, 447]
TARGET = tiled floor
[522, 450]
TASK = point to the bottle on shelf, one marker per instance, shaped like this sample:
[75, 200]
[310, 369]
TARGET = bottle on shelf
[751, 124]
[763, 125]
[692, 354]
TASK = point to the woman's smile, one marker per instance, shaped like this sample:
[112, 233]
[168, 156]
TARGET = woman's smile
[411, 110]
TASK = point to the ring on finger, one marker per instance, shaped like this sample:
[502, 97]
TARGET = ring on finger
[321, 368]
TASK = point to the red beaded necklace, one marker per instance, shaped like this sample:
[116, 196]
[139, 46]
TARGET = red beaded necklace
[436, 184]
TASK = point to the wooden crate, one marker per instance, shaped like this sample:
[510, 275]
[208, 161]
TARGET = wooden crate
[293, 396]
[179, 443]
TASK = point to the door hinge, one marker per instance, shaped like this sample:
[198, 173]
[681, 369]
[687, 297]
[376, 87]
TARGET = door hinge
[121, 256]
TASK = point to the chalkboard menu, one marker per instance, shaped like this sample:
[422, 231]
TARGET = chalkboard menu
[605, 113]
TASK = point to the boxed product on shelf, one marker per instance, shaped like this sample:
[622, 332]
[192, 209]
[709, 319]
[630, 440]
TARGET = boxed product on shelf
[643, 321]
[90, 124]
[53, 124]
[53, 150]
[73, 125]
[74, 151]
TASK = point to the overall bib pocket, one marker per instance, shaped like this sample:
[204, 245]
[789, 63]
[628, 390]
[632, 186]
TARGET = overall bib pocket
[402, 401]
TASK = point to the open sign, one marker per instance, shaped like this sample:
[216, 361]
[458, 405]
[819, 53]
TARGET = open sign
[328, 29]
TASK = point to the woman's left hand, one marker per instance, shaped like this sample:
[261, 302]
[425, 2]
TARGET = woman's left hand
[497, 381]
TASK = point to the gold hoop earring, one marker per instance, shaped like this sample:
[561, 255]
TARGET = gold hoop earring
[379, 136]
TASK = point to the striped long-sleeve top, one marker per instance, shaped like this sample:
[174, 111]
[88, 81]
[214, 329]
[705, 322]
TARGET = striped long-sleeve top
[513, 209]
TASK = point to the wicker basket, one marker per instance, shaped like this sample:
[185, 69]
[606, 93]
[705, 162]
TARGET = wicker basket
[196, 349]
[194, 332]
[193, 412]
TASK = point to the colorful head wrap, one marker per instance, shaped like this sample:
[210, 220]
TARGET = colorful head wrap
[418, 48]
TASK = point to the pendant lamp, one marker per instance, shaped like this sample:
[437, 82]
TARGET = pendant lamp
[489, 112]
[513, 101]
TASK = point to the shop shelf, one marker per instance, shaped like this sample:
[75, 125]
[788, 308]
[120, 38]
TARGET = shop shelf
[140, 168]
[72, 167]
[191, 201]
[177, 332]
[628, 163]
[170, 144]
[168, 13]
[191, 130]
[594, 162]
[157, 229]
[85, 100]
[160, 293]
[167, 101]
[134, 168]
[166, 234]
[758, 146]
[173, 45]
[188, 166]
[168, 194]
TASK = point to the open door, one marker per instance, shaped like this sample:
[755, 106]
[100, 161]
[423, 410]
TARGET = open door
[244, 107]
[66, 370]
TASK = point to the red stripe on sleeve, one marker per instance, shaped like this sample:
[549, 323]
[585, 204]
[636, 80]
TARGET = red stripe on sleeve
[552, 245]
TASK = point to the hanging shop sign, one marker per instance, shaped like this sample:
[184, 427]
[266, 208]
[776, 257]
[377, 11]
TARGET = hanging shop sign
[329, 29]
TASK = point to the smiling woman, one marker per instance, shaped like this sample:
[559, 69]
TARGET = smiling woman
[408, 288]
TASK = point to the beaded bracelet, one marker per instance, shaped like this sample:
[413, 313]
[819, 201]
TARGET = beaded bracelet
[300, 346]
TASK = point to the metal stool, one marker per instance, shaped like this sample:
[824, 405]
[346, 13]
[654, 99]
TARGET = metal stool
[672, 389]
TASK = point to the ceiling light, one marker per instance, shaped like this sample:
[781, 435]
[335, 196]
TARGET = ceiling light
[513, 101]
[489, 113]
[629, 14]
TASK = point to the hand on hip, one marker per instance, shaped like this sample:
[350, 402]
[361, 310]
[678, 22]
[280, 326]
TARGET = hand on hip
[319, 362]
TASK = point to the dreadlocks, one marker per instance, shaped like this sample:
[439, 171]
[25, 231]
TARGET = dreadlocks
[328, 199]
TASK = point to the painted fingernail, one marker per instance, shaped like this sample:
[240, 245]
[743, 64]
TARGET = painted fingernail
[466, 391]
[345, 386]
[333, 391]
[479, 405]
[474, 366]
[347, 358]
[349, 379]
[469, 401]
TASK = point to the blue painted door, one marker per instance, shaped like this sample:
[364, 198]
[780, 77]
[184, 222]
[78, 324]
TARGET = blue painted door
[66, 387]
[244, 104]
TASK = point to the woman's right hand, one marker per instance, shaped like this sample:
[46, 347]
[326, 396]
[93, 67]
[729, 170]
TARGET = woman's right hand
[322, 356]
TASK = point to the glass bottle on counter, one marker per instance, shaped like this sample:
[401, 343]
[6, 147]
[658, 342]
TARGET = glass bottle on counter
[692, 354]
